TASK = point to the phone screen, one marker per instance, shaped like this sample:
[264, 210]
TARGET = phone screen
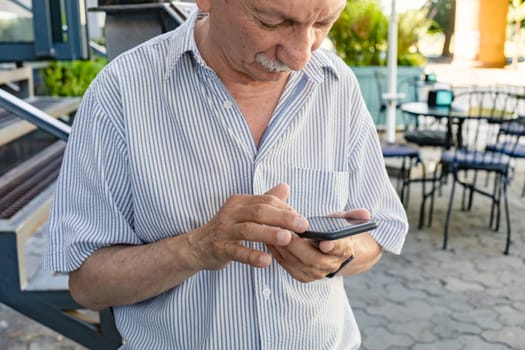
[325, 228]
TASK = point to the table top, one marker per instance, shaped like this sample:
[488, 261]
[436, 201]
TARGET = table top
[457, 111]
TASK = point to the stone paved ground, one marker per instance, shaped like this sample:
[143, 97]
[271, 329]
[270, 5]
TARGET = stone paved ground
[467, 297]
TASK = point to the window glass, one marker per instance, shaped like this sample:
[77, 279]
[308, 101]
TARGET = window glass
[16, 21]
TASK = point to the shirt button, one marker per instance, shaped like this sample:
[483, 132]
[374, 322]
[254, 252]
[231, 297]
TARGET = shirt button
[227, 104]
[266, 292]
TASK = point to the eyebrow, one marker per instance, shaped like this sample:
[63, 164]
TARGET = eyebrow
[255, 11]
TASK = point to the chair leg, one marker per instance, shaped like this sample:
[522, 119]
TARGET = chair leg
[494, 207]
[471, 193]
[506, 204]
[405, 177]
[433, 192]
[497, 201]
[449, 211]
[424, 194]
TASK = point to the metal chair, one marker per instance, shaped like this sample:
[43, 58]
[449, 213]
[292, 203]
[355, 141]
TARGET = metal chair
[486, 111]
[410, 157]
[511, 141]
[428, 131]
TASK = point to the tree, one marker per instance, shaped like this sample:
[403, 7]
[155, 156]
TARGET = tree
[443, 14]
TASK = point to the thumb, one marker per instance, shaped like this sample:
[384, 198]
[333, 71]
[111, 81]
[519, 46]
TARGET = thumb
[281, 191]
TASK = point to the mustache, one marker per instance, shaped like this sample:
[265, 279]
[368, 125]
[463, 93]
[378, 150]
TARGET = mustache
[274, 66]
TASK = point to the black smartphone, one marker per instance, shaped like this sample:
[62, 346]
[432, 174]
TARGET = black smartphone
[325, 228]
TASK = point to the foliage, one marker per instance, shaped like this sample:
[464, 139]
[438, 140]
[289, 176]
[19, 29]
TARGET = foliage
[441, 12]
[412, 25]
[71, 78]
[360, 35]
[443, 16]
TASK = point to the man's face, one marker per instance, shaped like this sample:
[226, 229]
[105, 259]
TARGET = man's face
[264, 39]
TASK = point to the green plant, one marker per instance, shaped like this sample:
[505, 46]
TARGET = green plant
[71, 78]
[361, 32]
[412, 24]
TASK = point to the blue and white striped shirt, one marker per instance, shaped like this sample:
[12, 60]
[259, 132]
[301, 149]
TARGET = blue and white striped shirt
[159, 144]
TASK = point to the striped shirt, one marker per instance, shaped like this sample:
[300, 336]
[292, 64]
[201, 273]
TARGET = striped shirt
[159, 144]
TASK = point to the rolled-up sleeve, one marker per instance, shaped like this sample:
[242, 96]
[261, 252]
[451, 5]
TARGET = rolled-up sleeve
[93, 204]
[371, 186]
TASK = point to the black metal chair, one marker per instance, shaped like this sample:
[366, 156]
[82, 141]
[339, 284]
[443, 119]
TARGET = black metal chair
[485, 112]
[511, 141]
[410, 157]
[428, 131]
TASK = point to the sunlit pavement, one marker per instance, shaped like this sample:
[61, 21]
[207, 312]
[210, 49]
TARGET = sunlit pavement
[469, 296]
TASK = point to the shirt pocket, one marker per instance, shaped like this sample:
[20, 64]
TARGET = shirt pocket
[316, 192]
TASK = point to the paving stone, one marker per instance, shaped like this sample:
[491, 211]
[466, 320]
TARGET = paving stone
[455, 284]
[399, 293]
[445, 327]
[447, 344]
[519, 306]
[509, 316]
[454, 302]
[418, 329]
[383, 339]
[363, 318]
[514, 337]
[484, 318]
[485, 299]
[471, 342]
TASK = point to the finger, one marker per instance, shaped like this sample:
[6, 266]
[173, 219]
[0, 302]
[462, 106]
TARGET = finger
[342, 247]
[303, 254]
[283, 256]
[242, 254]
[358, 213]
[253, 232]
[293, 266]
[270, 215]
[281, 191]
[241, 200]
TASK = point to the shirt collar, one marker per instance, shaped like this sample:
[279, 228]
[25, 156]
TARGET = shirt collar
[182, 41]
[320, 63]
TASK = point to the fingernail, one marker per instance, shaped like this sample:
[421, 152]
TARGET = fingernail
[265, 260]
[300, 224]
[283, 237]
[327, 246]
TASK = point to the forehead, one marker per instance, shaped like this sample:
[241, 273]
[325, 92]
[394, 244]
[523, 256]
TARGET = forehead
[297, 10]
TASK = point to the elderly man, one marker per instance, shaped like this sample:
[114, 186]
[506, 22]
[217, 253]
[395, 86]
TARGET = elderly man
[194, 162]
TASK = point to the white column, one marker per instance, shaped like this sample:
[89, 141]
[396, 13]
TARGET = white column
[392, 75]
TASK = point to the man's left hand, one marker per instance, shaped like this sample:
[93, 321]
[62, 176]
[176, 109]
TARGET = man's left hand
[307, 260]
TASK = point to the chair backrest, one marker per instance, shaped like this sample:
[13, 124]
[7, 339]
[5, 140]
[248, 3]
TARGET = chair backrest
[485, 111]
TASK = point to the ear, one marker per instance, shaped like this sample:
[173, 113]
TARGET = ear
[204, 5]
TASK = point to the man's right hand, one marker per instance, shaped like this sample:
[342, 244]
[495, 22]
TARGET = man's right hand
[121, 275]
[257, 218]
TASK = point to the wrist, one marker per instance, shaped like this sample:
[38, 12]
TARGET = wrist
[346, 262]
[183, 253]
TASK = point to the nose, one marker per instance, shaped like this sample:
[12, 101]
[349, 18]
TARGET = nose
[297, 46]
